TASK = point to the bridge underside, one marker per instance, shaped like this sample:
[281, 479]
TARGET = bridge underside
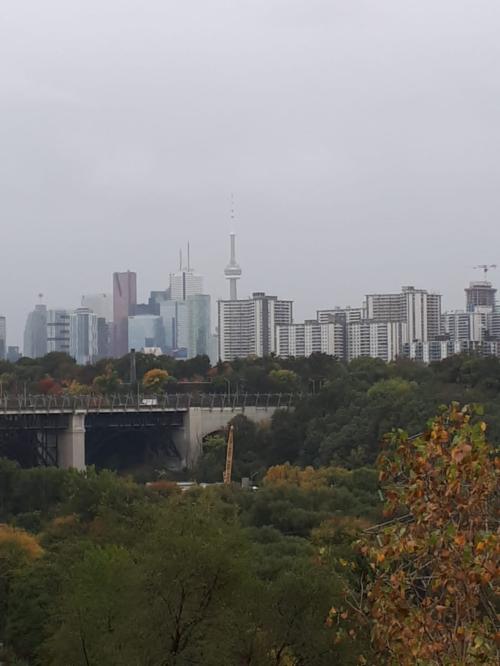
[116, 440]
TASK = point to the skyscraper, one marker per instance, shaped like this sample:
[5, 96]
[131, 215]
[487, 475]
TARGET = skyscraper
[233, 271]
[144, 330]
[124, 302]
[185, 282]
[198, 325]
[3, 338]
[83, 336]
[58, 338]
[35, 333]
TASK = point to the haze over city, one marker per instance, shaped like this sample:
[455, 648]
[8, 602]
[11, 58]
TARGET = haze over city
[361, 141]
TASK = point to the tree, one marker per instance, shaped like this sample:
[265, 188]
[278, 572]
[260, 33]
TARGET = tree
[167, 598]
[284, 381]
[17, 549]
[108, 382]
[436, 563]
[155, 380]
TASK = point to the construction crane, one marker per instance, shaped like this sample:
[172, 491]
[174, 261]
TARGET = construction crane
[485, 268]
[229, 456]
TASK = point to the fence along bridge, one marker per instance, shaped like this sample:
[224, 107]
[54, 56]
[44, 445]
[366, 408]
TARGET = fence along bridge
[59, 423]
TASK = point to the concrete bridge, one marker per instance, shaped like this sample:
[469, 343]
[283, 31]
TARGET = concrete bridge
[60, 423]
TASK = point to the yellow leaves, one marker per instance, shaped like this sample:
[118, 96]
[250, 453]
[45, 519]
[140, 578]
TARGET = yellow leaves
[460, 540]
[155, 378]
[290, 475]
[480, 546]
[26, 543]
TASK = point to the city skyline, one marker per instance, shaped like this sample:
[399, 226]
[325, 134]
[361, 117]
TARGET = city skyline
[360, 141]
[302, 312]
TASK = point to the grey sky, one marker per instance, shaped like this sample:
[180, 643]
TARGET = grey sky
[361, 139]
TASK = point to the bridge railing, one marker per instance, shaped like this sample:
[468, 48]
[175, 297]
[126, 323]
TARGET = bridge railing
[145, 402]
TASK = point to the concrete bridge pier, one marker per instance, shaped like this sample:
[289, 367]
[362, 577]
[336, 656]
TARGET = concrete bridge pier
[188, 440]
[71, 443]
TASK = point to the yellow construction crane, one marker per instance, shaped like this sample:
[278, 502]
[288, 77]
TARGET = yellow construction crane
[229, 456]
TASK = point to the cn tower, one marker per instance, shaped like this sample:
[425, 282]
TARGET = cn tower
[233, 271]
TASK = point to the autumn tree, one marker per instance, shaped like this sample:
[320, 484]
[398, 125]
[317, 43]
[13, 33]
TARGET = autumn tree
[155, 380]
[436, 561]
[17, 549]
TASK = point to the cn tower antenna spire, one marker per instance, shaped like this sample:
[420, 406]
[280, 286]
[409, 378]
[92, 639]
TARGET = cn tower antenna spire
[233, 271]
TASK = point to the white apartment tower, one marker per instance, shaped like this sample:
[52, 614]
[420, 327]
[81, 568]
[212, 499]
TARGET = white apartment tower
[377, 339]
[248, 327]
[311, 337]
[418, 311]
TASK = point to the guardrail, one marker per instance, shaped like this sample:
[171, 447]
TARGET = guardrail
[144, 402]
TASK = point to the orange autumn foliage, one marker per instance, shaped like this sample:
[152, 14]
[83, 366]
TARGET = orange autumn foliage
[25, 544]
[436, 562]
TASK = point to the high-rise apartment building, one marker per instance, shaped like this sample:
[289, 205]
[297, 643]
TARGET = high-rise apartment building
[58, 337]
[462, 326]
[417, 310]
[340, 315]
[124, 302]
[480, 294]
[3, 338]
[83, 329]
[377, 339]
[493, 319]
[35, 333]
[248, 327]
[311, 337]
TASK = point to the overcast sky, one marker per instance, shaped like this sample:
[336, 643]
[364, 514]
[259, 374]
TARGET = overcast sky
[361, 139]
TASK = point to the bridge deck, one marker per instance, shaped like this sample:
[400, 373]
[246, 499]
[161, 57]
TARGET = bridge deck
[129, 403]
